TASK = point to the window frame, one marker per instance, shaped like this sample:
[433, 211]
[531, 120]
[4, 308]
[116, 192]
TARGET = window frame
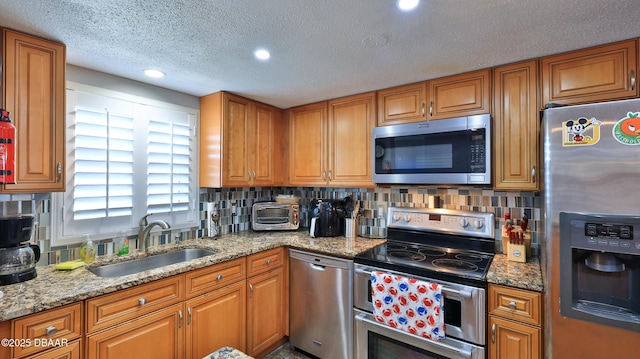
[130, 225]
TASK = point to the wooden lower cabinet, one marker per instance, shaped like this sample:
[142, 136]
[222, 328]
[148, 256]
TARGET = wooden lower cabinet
[512, 340]
[154, 336]
[215, 320]
[265, 312]
[70, 351]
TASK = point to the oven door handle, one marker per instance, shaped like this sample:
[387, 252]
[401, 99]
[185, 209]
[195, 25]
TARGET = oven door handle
[463, 352]
[446, 290]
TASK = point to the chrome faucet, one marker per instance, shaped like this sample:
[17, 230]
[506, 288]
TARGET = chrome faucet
[145, 229]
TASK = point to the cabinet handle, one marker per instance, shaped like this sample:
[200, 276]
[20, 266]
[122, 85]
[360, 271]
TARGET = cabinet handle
[142, 301]
[324, 175]
[533, 173]
[422, 110]
[431, 109]
[51, 330]
[254, 175]
[59, 167]
[330, 175]
[249, 175]
[633, 80]
[219, 277]
[512, 305]
[180, 321]
[268, 261]
[493, 332]
[189, 316]
[250, 290]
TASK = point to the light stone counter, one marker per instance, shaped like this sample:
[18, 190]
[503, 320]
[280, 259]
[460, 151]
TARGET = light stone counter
[53, 288]
[518, 275]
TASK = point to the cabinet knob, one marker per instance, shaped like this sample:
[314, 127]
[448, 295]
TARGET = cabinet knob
[219, 277]
[512, 305]
[51, 330]
[142, 301]
[268, 261]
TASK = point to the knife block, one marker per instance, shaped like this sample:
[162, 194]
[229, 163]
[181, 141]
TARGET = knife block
[517, 252]
[527, 240]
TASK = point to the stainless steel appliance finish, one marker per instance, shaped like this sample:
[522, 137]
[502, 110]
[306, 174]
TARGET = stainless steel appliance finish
[275, 216]
[320, 307]
[450, 151]
[591, 173]
[451, 248]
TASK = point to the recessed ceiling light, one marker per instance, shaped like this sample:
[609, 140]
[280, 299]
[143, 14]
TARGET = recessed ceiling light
[154, 73]
[262, 54]
[407, 5]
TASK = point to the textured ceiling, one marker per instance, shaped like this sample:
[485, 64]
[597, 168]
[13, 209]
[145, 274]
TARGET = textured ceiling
[320, 49]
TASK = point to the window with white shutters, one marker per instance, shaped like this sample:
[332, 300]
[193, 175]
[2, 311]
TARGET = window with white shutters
[126, 157]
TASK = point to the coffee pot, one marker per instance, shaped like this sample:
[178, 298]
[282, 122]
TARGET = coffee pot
[327, 217]
[18, 258]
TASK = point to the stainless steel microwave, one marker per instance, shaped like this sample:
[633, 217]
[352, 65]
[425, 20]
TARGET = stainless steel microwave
[450, 151]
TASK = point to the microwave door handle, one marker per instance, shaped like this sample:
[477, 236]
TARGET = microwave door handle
[462, 293]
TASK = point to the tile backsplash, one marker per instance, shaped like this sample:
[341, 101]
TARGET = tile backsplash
[233, 207]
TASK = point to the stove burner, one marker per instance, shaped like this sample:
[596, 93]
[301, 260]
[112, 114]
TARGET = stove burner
[395, 246]
[432, 252]
[406, 255]
[469, 257]
[455, 264]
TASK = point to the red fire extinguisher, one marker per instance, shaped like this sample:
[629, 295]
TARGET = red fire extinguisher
[7, 149]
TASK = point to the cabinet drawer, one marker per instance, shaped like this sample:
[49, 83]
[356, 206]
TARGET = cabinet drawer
[55, 324]
[214, 277]
[265, 261]
[66, 351]
[131, 303]
[517, 304]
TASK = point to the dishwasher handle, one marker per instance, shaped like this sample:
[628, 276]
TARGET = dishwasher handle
[317, 266]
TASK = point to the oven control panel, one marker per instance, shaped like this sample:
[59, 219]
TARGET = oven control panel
[477, 224]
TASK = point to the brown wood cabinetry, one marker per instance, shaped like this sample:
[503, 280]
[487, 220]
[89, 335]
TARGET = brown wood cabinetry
[240, 142]
[72, 350]
[460, 95]
[515, 127]
[33, 91]
[61, 325]
[266, 303]
[330, 142]
[515, 321]
[156, 335]
[402, 104]
[596, 74]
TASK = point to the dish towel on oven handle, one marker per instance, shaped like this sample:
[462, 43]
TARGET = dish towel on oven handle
[408, 304]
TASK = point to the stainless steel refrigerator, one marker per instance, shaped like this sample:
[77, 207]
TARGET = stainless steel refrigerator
[591, 225]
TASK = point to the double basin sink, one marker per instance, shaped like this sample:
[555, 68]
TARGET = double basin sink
[151, 262]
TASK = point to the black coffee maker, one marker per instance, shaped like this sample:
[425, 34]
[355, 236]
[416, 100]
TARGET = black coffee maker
[18, 258]
[327, 217]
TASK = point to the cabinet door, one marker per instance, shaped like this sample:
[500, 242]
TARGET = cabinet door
[69, 351]
[265, 311]
[515, 127]
[236, 150]
[351, 120]
[308, 144]
[460, 95]
[511, 340]
[402, 104]
[33, 86]
[266, 151]
[157, 335]
[596, 74]
[215, 320]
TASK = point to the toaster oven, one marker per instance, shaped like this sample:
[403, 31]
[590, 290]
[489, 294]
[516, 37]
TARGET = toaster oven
[275, 216]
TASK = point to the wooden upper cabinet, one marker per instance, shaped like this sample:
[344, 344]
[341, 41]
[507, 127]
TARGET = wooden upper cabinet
[351, 121]
[402, 104]
[240, 142]
[460, 95]
[33, 91]
[596, 74]
[308, 144]
[515, 127]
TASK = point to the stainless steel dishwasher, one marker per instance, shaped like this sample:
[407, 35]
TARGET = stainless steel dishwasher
[321, 304]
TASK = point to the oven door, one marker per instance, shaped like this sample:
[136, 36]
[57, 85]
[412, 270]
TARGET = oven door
[375, 340]
[465, 308]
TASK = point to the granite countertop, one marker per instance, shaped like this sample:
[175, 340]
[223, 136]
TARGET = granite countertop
[52, 288]
[227, 353]
[514, 274]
